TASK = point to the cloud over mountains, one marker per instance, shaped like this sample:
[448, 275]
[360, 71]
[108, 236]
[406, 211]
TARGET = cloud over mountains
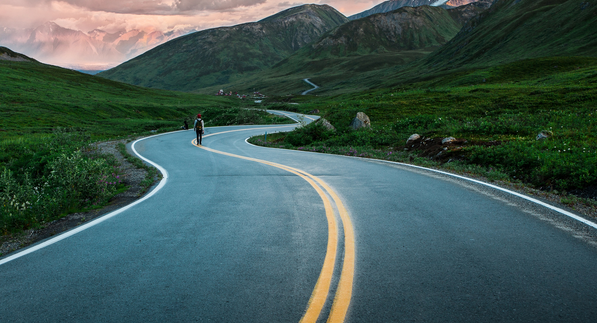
[151, 7]
[170, 18]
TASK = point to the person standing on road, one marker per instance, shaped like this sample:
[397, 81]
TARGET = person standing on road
[199, 125]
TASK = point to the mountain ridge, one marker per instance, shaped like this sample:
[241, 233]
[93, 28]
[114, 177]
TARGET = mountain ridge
[392, 5]
[213, 56]
[8, 55]
[369, 44]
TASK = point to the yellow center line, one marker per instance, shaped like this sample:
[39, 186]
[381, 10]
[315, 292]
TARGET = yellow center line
[318, 298]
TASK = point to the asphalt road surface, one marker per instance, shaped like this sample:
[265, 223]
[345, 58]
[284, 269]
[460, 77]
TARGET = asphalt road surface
[238, 233]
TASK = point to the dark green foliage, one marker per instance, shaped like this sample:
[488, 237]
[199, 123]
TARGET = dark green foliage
[53, 175]
[547, 164]
[308, 134]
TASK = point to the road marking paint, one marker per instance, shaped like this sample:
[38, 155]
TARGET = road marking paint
[505, 190]
[288, 116]
[344, 292]
[318, 298]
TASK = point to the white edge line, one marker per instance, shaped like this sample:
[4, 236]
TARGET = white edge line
[525, 197]
[284, 114]
[101, 219]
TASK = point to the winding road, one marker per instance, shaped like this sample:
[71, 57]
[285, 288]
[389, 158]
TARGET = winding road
[239, 233]
[315, 87]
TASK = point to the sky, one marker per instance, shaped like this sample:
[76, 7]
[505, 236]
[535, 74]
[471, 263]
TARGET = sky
[162, 15]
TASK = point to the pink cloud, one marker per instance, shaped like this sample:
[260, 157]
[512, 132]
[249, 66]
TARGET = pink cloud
[120, 16]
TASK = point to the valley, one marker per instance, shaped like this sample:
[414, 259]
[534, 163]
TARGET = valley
[406, 64]
[421, 160]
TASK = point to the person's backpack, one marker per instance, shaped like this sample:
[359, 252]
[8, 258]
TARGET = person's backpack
[198, 126]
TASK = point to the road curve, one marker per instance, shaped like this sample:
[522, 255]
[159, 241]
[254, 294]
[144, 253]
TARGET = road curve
[315, 87]
[231, 239]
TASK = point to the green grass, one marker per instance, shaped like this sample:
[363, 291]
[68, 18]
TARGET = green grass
[515, 103]
[51, 175]
[36, 98]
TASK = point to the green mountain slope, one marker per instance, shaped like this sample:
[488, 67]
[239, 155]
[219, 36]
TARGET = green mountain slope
[519, 29]
[361, 46]
[510, 31]
[218, 56]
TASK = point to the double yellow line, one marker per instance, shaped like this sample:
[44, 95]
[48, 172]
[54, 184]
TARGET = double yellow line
[322, 287]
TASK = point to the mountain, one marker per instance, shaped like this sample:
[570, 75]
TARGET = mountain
[407, 28]
[216, 56]
[391, 5]
[513, 30]
[61, 46]
[8, 55]
[361, 46]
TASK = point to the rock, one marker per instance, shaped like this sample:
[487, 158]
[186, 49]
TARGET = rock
[360, 121]
[448, 140]
[326, 124]
[544, 135]
[313, 111]
[413, 137]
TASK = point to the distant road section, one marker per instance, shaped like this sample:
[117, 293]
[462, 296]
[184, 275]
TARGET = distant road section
[315, 87]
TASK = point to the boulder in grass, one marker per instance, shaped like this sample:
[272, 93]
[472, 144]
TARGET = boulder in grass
[448, 140]
[326, 124]
[413, 137]
[360, 121]
[545, 134]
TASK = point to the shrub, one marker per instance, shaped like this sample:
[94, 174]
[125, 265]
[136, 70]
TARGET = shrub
[306, 135]
[53, 176]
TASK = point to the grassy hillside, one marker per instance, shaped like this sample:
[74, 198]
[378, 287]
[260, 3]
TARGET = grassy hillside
[36, 98]
[362, 47]
[218, 56]
[518, 29]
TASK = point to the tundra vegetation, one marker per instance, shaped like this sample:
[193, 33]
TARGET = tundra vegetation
[499, 118]
[492, 78]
